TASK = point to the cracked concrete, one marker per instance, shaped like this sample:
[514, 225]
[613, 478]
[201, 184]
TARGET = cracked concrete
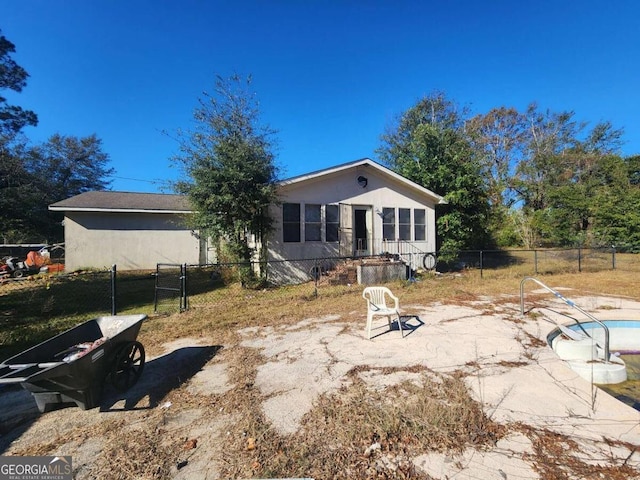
[510, 370]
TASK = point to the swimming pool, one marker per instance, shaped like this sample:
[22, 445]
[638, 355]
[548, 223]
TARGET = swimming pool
[584, 352]
[629, 390]
[583, 345]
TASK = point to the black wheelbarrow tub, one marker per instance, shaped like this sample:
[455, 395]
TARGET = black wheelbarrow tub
[54, 375]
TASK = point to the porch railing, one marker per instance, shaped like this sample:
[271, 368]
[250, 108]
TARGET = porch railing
[415, 254]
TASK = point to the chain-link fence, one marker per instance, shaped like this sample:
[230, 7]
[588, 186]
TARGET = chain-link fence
[56, 295]
[175, 287]
[543, 261]
[34, 308]
[179, 287]
[37, 307]
[204, 283]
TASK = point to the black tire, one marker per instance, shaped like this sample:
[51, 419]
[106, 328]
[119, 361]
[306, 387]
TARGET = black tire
[316, 272]
[128, 366]
[18, 274]
[429, 261]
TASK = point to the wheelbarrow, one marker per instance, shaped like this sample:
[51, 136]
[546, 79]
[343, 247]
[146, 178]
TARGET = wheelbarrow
[74, 366]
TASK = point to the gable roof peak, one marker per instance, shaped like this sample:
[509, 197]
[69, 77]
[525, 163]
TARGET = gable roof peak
[366, 162]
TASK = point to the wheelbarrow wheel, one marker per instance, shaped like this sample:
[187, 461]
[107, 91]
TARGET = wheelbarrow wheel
[128, 366]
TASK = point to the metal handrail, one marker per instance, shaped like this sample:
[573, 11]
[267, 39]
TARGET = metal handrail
[571, 304]
[406, 248]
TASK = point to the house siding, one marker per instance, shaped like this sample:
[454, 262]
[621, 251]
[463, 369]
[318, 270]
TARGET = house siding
[138, 231]
[130, 240]
[342, 188]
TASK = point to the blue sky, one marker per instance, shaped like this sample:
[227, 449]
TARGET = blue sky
[330, 75]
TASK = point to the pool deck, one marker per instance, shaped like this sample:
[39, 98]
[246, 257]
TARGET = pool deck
[509, 368]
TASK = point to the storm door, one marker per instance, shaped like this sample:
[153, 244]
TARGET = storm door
[362, 230]
[346, 230]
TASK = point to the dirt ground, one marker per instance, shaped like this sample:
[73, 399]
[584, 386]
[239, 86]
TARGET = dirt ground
[183, 406]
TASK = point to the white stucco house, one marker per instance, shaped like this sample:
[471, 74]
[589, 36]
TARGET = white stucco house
[359, 208]
[355, 209]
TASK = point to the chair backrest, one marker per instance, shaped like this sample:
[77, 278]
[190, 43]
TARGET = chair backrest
[376, 295]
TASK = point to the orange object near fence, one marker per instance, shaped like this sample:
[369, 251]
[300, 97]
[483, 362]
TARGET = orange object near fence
[35, 259]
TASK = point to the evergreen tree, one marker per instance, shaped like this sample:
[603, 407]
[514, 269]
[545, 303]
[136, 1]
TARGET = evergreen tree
[230, 175]
[63, 166]
[429, 146]
[13, 77]
[16, 182]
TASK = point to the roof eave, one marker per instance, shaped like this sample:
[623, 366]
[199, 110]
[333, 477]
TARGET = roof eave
[326, 171]
[114, 210]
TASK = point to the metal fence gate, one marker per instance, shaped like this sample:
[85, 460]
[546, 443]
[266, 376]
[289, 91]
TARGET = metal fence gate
[171, 285]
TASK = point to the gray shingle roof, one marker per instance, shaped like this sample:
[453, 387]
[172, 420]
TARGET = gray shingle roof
[124, 201]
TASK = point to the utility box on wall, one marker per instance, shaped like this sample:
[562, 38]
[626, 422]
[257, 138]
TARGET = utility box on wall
[376, 273]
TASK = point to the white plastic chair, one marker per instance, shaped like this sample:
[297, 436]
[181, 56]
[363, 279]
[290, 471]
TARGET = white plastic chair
[377, 306]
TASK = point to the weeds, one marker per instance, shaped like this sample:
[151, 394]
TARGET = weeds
[558, 457]
[143, 453]
[357, 432]
[363, 433]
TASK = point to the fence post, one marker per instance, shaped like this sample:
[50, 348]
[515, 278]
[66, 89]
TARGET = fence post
[535, 260]
[481, 273]
[155, 289]
[613, 257]
[183, 288]
[316, 275]
[579, 259]
[114, 309]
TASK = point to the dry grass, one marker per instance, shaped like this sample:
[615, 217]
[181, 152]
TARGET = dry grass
[229, 308]
[357, 432]
[558, 457]
[141, 453]
[437, 415]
